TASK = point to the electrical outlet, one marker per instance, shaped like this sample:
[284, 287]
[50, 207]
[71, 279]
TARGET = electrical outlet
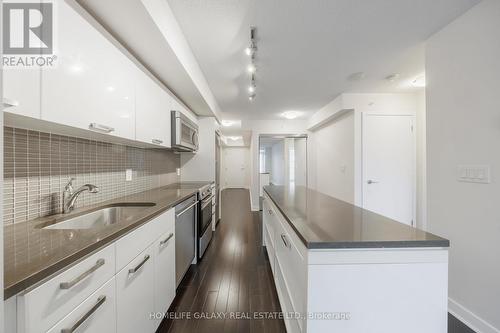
[128, 175]
[178, 171]
[474, 174]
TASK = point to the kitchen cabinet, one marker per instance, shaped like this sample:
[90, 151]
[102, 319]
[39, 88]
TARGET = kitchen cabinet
[153, 105]
[21, 91]
[92, 86]
[97, 314]
[135, 294]
[39, 309]
[123, 285]
[164, 275]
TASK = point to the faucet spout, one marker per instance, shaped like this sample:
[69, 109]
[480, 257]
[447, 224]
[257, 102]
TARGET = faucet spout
[69, 197]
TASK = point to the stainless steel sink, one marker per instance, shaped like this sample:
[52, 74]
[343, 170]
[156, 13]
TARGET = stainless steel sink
[102, 217]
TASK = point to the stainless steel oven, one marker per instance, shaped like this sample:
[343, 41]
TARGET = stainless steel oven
[184, 132]
[205, 219]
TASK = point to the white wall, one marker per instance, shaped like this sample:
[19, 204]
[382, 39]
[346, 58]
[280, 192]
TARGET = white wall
[336, 157]
[300, 161]
[332, 172]
[1, 174]
[233, 160]
[259, 127]
[278, 163]
[201, 166]
[463, 127]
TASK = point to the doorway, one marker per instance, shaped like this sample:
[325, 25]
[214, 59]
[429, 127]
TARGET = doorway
[236, 167]
[388, 172]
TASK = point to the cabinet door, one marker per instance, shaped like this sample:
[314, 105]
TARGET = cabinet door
[164, 249]
[21, 87]
[96, 314]
[135, 295]
[153, 106]
[92, 86]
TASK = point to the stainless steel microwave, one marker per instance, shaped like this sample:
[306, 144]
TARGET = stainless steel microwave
[184, 132]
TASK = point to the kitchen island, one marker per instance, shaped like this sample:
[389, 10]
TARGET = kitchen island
[340, 268]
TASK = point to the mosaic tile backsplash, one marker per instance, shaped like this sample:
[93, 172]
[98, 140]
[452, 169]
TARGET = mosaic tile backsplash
[38, 165]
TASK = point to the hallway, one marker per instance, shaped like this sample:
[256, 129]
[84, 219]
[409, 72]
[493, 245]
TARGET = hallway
[233, 283]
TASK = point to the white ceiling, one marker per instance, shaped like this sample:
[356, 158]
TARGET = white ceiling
[129, 22]
[307, 49]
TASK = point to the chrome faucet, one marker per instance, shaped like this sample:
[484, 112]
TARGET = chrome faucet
[70, 196]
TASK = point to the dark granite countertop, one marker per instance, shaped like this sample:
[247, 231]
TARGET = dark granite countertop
[33, 254]
[323, 222]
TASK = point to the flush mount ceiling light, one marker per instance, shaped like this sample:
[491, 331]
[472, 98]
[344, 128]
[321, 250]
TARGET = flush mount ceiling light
[291, 114]
[358, 76]
[419, 82]
[227, 123]
[392, 77]
[251, 51]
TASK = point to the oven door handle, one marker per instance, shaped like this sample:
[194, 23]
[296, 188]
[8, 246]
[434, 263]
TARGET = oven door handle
[205, 201]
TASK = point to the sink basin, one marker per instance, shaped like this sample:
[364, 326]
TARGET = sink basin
[102, 217]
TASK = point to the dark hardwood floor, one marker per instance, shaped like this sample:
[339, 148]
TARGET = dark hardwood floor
[232, 286]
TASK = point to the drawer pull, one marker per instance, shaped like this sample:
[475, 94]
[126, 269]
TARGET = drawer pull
[101, 128]
[166, 239]
[136, 268]
[100, 302]
[67, 285]
[157, 141]
[283, 238]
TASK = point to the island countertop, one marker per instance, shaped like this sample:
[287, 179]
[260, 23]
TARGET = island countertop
[324, 222]
[33, 254]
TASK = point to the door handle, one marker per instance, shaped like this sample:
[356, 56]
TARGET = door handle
[369, 182]
[101, 128]
[283, 238]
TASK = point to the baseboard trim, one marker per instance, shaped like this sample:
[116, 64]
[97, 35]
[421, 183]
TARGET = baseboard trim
[469, 318]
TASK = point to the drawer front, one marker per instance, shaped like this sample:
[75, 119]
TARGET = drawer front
[293, 267]
[42, 307]
[164, 265]
[97, 314]
[291, 322]
[131, 245]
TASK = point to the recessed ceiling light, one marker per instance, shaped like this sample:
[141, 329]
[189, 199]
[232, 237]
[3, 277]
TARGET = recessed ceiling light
[251, 89]
[392, 77]
[251, 68]
[358, 76]
[251, 97]
[419, 82]
[291, 114]
[234, 138]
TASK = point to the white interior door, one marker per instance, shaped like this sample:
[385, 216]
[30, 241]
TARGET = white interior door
[235, 167]
[389, 166]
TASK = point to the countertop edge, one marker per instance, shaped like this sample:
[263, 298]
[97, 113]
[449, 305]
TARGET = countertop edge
[444, 243]
[67, 262]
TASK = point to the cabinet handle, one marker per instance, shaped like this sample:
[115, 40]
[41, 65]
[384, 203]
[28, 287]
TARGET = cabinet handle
[270, 212]
[100, 302]
[67, 285]
[283, 238]
[166, 239]
[186, 209]
[136, 268]
[101, 128]
[157, 141]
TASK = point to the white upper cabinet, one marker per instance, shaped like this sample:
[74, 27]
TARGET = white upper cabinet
[153, 105]
[92, 86]
[21, 91]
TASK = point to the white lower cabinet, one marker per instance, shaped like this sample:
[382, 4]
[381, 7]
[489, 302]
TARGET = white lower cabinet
[135, 294]
[97, 314]
[94, 296]
[164, 275]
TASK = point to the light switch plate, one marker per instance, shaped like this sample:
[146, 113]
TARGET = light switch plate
[474, 174]
[128, 175]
